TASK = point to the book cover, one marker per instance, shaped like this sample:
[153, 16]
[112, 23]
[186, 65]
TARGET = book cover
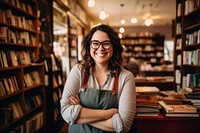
[177, 106]
[178, 114]
[147, 89]
[3, 34]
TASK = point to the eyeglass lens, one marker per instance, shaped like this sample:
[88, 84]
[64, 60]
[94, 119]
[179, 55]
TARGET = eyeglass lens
[96, 44]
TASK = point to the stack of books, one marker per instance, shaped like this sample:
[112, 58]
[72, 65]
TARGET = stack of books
[194, 97]
[146, 106]
[147, 101]
[178, 108]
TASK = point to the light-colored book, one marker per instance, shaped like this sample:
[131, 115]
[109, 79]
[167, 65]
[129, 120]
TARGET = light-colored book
[147, 89]
[177, 106]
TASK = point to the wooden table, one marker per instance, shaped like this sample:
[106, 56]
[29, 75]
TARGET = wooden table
[162, 124]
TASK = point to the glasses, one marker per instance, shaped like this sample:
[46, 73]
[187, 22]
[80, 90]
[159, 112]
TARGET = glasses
[96, 44]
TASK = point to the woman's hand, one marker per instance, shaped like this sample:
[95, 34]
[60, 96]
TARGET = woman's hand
[111, 112]
[74, 100]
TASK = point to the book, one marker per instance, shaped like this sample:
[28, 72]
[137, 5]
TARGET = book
[178, 114]
[147, 89]
[147, 114]
[177, 106]
[147, 104]
[3, 34]
[193, 95]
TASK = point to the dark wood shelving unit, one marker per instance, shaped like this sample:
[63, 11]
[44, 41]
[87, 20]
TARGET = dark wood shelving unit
[22, 90]
[148, 49]
[187, 40]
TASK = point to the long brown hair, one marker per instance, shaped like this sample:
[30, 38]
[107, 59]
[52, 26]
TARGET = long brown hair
[116, 60]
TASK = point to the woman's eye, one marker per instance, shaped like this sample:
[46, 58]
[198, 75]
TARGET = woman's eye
[95, 43]
[106, 43]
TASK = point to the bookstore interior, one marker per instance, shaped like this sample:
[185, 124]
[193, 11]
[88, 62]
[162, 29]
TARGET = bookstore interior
[40, 42]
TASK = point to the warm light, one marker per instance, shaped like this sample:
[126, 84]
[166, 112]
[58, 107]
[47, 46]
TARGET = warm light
[91, 3]
[134, 20]
[122, 21]
[120, 35]
[148, 22]
[102, 15]
[121, 30]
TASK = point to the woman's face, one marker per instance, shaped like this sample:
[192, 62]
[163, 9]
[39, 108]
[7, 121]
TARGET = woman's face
[100, 54]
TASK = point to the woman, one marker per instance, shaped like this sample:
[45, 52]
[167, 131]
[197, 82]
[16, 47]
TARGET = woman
[99, 95]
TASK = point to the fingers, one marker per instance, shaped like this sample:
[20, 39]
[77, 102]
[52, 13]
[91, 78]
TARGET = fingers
[74, 100]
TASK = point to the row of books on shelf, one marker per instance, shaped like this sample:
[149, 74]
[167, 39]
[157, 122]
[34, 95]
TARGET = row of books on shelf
[35, 123]
[17, 21]
[14, 110]
[8, 85]
[152, 102]
[20, 5]
[144, 47]
[154, 78]
[52, 64]
[32, 125]
[191, 57]
[142, 55]
[33, 102]
[192, 38]
[6, 115]
[57, 95]
[16, 58]
[57, 114]
[57, 80]
[18, 37]
[191, 5]
[17, 109]
[32, 78]
[137, 41]
[192, 80]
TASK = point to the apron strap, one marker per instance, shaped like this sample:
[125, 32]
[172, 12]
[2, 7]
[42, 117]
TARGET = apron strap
[85, 80]
[115, 87]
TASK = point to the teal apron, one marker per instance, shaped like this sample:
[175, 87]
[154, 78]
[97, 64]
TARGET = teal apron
[95, 99]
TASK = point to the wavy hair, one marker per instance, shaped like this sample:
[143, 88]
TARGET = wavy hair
[115, 61]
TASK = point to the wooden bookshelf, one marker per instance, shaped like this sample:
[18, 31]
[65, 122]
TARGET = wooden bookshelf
[45, 33]
[54, 85]
[149, 49]
[158, 73]
[22, 92]
[53, 70]
[187, 40]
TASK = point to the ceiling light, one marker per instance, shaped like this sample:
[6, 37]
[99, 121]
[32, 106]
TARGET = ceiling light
[148, 22]
[122, 21]
[120, 35]
[102, 15]
[134, 20]
[121, 30]
[91, 3]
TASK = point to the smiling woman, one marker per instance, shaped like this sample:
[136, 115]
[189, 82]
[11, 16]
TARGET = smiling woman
[99, 94]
